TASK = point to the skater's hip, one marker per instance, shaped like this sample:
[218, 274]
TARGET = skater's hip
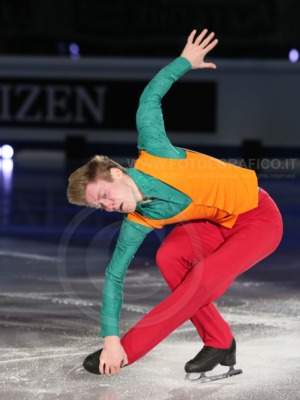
[266, 214]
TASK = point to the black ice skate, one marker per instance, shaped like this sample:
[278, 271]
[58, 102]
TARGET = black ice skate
[207, 359]
[91, 363]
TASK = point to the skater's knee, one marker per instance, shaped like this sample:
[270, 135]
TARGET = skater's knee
[165, 255]
[170, 255]
[162, 256]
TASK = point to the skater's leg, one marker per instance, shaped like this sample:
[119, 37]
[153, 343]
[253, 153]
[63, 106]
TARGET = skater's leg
[212, 327]
[186, 245]
[255, 237]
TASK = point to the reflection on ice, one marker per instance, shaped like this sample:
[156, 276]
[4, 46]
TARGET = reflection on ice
[6, 174]
[6, 167]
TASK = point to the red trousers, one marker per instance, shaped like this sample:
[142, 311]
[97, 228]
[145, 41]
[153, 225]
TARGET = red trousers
[199, 259]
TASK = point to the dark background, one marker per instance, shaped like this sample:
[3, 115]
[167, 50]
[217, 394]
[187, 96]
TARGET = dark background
[151, 28]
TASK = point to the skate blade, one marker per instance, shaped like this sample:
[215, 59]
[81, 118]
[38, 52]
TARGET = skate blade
[204, 379]
[80, 370]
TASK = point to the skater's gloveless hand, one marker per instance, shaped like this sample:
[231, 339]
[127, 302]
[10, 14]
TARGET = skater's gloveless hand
[113, 356]
[195, 52]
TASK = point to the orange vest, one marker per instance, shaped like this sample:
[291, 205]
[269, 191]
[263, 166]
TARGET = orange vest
[219, 191]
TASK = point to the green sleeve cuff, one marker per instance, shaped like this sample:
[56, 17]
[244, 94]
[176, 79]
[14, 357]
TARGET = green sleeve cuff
[183, 64]
[109, 326]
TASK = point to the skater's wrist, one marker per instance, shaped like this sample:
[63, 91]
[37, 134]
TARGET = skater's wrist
[111, 340]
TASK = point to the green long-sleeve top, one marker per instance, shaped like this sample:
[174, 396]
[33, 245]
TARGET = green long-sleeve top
[167, 202]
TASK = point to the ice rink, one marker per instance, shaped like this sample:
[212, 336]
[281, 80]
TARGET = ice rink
[52, 274]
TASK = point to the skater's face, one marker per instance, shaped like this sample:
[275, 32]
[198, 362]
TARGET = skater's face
[118, 195]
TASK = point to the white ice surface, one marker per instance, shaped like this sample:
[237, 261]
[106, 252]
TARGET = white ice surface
[46, 332]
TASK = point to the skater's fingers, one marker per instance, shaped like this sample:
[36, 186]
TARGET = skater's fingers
[207, 40]
[208, 65]
[211, 46]
[117, 369]
[101, 366]
[191, 37]
[124, 361]
[106, 369]
[112, 370]
[200, 37]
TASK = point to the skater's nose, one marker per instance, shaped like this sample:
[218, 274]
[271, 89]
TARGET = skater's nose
[108, 204]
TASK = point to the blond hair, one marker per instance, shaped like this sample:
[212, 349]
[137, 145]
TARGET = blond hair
[98, 168]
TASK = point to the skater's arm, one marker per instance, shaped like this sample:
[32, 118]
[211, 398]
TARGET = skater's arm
[149, 118]
[131, 237]
[150, 124]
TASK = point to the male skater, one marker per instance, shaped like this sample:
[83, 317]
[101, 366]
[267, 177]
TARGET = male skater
[226, 224]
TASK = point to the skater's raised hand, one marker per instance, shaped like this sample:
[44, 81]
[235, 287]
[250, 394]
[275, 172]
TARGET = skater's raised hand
[195, 52]
[113, 356]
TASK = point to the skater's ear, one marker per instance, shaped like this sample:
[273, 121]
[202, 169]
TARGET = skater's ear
[116, 173]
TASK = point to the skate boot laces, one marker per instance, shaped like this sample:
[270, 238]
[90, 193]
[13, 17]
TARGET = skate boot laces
[205, 351]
